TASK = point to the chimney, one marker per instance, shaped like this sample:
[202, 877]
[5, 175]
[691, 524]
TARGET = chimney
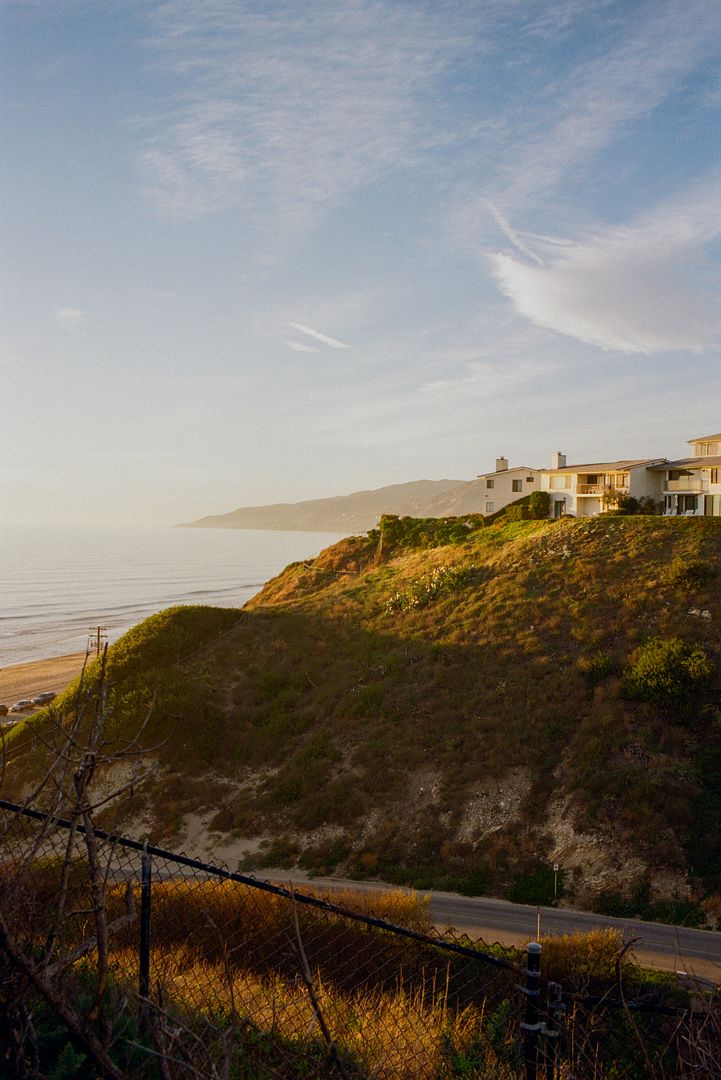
[501, 464]
[559, 460]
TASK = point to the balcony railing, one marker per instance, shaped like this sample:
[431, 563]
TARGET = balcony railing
[596, 489]
[689, 483]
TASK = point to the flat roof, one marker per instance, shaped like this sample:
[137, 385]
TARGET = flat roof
[606, 466]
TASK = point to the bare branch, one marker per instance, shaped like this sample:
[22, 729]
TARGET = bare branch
[72, 1021]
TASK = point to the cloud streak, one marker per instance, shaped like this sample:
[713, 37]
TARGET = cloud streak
[69, 318]
[332, 342]
[298, 346]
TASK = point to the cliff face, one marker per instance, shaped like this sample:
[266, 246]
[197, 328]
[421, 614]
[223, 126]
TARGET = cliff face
[352, 513]
[461, 714]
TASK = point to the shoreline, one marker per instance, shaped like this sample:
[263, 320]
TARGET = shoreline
[37, 676]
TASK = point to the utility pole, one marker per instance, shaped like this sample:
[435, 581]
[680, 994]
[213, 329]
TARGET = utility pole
[97, 638]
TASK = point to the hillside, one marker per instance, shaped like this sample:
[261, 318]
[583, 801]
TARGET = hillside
[353, 513]
[458, 705]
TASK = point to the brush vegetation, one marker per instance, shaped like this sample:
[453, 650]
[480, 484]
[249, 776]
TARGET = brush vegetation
[446, 702]
[224, 962]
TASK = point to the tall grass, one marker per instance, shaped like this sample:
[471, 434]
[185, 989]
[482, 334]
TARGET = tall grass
[388, 1033]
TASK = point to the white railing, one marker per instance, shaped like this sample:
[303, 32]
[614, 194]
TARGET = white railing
[689, 483]
[599, 489]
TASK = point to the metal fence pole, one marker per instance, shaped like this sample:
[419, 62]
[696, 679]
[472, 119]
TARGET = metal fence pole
[144, 958]
[530, 1024]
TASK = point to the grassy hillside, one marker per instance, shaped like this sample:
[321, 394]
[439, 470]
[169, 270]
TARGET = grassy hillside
[442, 702]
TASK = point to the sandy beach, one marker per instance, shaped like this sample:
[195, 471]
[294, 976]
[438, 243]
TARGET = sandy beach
[26, 680]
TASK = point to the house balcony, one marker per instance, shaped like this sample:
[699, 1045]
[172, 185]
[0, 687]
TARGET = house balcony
[598, 489]
[689, 483]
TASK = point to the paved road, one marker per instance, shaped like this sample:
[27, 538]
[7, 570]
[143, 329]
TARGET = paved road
[671, 948]
[674, 948]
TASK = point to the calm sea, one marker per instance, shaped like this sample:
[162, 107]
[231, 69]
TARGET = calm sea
[56, 583]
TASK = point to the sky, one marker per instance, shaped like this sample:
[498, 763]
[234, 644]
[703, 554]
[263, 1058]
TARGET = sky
[258, 252]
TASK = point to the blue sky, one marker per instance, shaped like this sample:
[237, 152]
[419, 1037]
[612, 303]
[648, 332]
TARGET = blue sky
[260, 252]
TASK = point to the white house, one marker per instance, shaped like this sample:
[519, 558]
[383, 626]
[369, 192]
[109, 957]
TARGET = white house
[692, 486]
[504, 485]
[583, 490]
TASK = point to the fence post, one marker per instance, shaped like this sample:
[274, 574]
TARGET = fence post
[144, 959]
[530, 1024]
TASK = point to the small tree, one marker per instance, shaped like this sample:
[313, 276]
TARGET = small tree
[540, 503]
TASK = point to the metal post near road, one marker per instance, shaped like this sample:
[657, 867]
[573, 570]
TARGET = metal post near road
[530, 1024]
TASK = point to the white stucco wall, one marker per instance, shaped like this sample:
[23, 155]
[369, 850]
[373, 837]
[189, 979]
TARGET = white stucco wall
[502, 493]
[642, 483]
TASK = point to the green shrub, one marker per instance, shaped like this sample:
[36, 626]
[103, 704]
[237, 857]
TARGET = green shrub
[407, 533]
[540, 503]
[628, 504]
[537, 887]
[688, 574]
[601, 665]
[667, 669]
[519, 512]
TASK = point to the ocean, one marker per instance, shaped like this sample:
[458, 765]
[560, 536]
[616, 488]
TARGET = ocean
[59, 583]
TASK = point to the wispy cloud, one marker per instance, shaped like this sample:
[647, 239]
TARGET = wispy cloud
[69, 318]
[298, 346]
[600, 97]
[636, 288]
[489, 379]
[332, 342]
[286, 108]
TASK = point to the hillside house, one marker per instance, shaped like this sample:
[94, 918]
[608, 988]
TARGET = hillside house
[692, 486]
[505, 485]
[586, 490]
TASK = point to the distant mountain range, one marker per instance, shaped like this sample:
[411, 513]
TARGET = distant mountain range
[355, 513]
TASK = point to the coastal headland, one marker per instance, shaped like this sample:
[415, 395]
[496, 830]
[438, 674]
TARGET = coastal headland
[521, 708]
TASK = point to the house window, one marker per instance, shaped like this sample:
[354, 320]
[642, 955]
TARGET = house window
[716, 476]
[489, 508]
[530, 479]
[490, 483]
[558, 483]
[517, 485]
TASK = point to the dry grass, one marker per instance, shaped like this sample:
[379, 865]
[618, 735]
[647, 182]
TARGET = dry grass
[594, 954]
[389, 1034]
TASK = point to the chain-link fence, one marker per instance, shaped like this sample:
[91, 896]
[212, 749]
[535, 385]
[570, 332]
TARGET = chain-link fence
[199, 960]
[151, 963]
